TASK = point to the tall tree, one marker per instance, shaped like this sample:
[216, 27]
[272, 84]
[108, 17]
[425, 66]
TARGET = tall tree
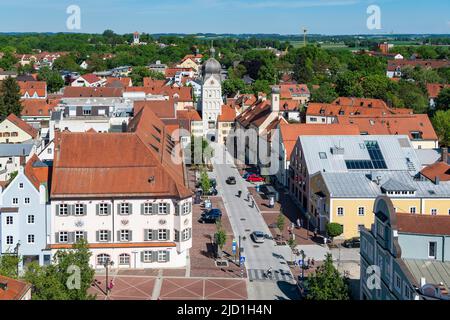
[10, 98]
[68, 278]
[443, 99]
[325, 94]
[441, 123]
[54, 80]
[326, 283]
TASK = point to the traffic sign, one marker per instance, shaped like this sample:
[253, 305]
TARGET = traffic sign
[300, 262]
[242, 260]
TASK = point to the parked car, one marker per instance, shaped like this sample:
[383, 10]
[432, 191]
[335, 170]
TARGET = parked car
[254, 178]
[258, 236]
[352, 243]
[231, 180]
[211, 216]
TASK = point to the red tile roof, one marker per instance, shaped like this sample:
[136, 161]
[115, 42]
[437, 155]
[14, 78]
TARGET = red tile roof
[255, 114]
[191, 115]
[90, 78]
[288, 91]
[438, 169]
[149, 82]
[86, 92]
[15, 290]
[171, 72]
[228, 114]
[360, 102]
[138, 163]
[291, 131]
[424, 63]
[423, 224]
[183, 94]
[32, 87]
[164, 109]
[391, 124]
[371, 107]
[118, 82]
[434, 89]
[22, 125]
[37, 174]
[38, 107]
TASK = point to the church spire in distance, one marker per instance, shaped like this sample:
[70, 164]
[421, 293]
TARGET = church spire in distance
[212, 50]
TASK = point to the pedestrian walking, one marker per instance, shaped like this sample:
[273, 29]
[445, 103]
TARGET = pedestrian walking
[239, 193]
[312, 262]
[315, 232]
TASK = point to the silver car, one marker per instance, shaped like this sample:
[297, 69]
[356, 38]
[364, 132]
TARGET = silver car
[258, 236]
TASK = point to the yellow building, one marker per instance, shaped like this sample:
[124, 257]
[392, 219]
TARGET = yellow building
[348, 198]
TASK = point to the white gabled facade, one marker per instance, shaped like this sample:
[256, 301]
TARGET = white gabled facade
[133, 233]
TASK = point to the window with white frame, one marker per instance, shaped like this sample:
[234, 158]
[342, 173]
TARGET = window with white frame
[9, 239]
[27, 200]
[103, 209]
[124, 208]
[432, 249]
[147, 256]
[63, 210]
[9, 220]
[124, 258]
[163, 208]
[79, 235]
[63, 236]
[433, 212]
[103, 235]
[30, 238]
[79, 209]
[15, 201]
[340, 211]
[412, 210]
[148, 208]
[30, 219]
[125, 235]
[162, 256]
[186, 234]
[361, 211]
[103, 258]
[187, 207]
[162, 234]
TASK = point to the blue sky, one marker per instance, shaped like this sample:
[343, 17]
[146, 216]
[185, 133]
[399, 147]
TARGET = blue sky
[227, 16]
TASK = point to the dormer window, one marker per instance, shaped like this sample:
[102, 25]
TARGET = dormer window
[416, 135]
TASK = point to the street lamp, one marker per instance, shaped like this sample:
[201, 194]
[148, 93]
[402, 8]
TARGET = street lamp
[106, 264]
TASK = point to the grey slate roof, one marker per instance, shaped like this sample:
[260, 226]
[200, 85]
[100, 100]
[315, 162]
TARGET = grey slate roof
[359, 185]
[433, 271]
[395, 155]
[394, 185]
[15, 149]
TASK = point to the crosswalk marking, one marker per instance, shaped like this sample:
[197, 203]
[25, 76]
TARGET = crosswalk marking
[277, 275]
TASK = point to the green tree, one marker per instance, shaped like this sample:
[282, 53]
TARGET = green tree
[205, 183]
[334, 229]
[66, 62]
[325, 94]
[8, 264]
[220, 236]
[441, 123]
[54, 80]
[8, 61]
[232, 86]
[348, 85]
[56, 281]
[10, 98]
[443, 99]
[261, 86]
[281, 221]
[138, 74]
[326, 283]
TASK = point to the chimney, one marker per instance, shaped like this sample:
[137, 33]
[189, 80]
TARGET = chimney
[437, 180]
[445, 155]
[422, 282]
[275, 99]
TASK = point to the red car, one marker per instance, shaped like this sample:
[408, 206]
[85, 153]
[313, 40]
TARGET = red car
[255, 178]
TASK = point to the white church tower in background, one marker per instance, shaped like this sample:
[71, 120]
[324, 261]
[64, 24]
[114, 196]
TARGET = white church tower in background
[211, 101]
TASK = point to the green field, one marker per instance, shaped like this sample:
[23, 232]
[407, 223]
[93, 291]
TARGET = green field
[328, 46]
